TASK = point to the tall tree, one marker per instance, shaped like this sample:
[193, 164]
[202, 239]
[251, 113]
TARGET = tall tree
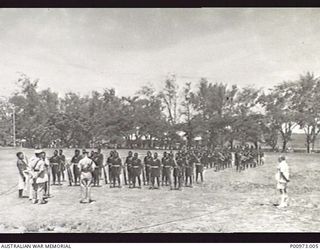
[306, 103]
[279, 110]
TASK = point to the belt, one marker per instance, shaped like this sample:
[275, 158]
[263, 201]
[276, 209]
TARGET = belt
[167, 166]
[36, 170]
[55, 163]
[136, 166]
[154, 166]
[116, 166]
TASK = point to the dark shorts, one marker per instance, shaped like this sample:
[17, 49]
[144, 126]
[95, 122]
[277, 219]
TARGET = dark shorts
[199, 168]
[189, 171]
[155, 172]
[177, 172]
[76, 170]
[115, 171]
[147, 168]
[167, 172]
[136, 172]
[56, 168]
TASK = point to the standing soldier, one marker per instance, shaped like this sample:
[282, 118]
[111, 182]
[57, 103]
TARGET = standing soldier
[62, 163]
[99, 157]
[136, 170]
[116, 169]
[177, 172]
[147, 164]
[128, 165]
[109, 164]
[22, 168]
[199, 166]
[87, 167]
[237, 160]
[163, 175]
[168, 164]
[96, 178]
[47, 172]
[75, 161]
[55, 166]
[189, 169]
[155, 171]
[39, 176]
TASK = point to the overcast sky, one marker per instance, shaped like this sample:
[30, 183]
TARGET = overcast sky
[90, 49]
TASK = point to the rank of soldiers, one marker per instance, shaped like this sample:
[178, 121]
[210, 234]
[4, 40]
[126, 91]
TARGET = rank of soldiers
[87, 170]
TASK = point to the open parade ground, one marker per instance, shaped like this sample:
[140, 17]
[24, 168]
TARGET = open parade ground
[227, 201]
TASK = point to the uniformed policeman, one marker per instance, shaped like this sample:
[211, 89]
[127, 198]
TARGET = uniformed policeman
[116, 169]
[98, 160]
[199, 166]
[177, 172]
[168, 164]
[109, 165]
[76, 171]
[136, 170]
[128, 165]
[22, 168]
[164, 180]
[48, 175]
[189, 169]
[55, 166]
[39, 177]
[155, 171]
[62, 163]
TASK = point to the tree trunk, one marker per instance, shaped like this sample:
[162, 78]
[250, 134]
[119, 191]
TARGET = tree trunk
[284, 145]
[308, 142]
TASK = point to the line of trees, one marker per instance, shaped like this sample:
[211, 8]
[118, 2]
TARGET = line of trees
[216, 113]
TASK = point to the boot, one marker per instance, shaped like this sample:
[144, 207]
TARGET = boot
[20, 193]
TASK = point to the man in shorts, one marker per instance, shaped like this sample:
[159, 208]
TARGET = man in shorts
[199, 164]
[22, 168]
[116, 169]
[177, 172]
[86, 166]
[39, 177]
[75, 161]
[155, 171]
[147, 164]
[136, 170]
[55, 166]
[62, 163]
[128, 165]
[282, 177]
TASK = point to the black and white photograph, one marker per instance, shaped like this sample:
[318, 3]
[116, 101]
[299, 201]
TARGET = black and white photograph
[157, 120]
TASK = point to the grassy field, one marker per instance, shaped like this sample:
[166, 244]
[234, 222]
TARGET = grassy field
[226, 202]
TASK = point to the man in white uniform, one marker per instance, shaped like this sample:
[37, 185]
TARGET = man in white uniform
[282, 178]
[39, 177]
[86, 166]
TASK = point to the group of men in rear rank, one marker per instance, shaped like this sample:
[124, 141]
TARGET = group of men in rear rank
[87, 170]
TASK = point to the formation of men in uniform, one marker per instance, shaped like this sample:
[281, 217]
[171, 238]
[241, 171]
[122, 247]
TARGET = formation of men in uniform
[175, 170]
